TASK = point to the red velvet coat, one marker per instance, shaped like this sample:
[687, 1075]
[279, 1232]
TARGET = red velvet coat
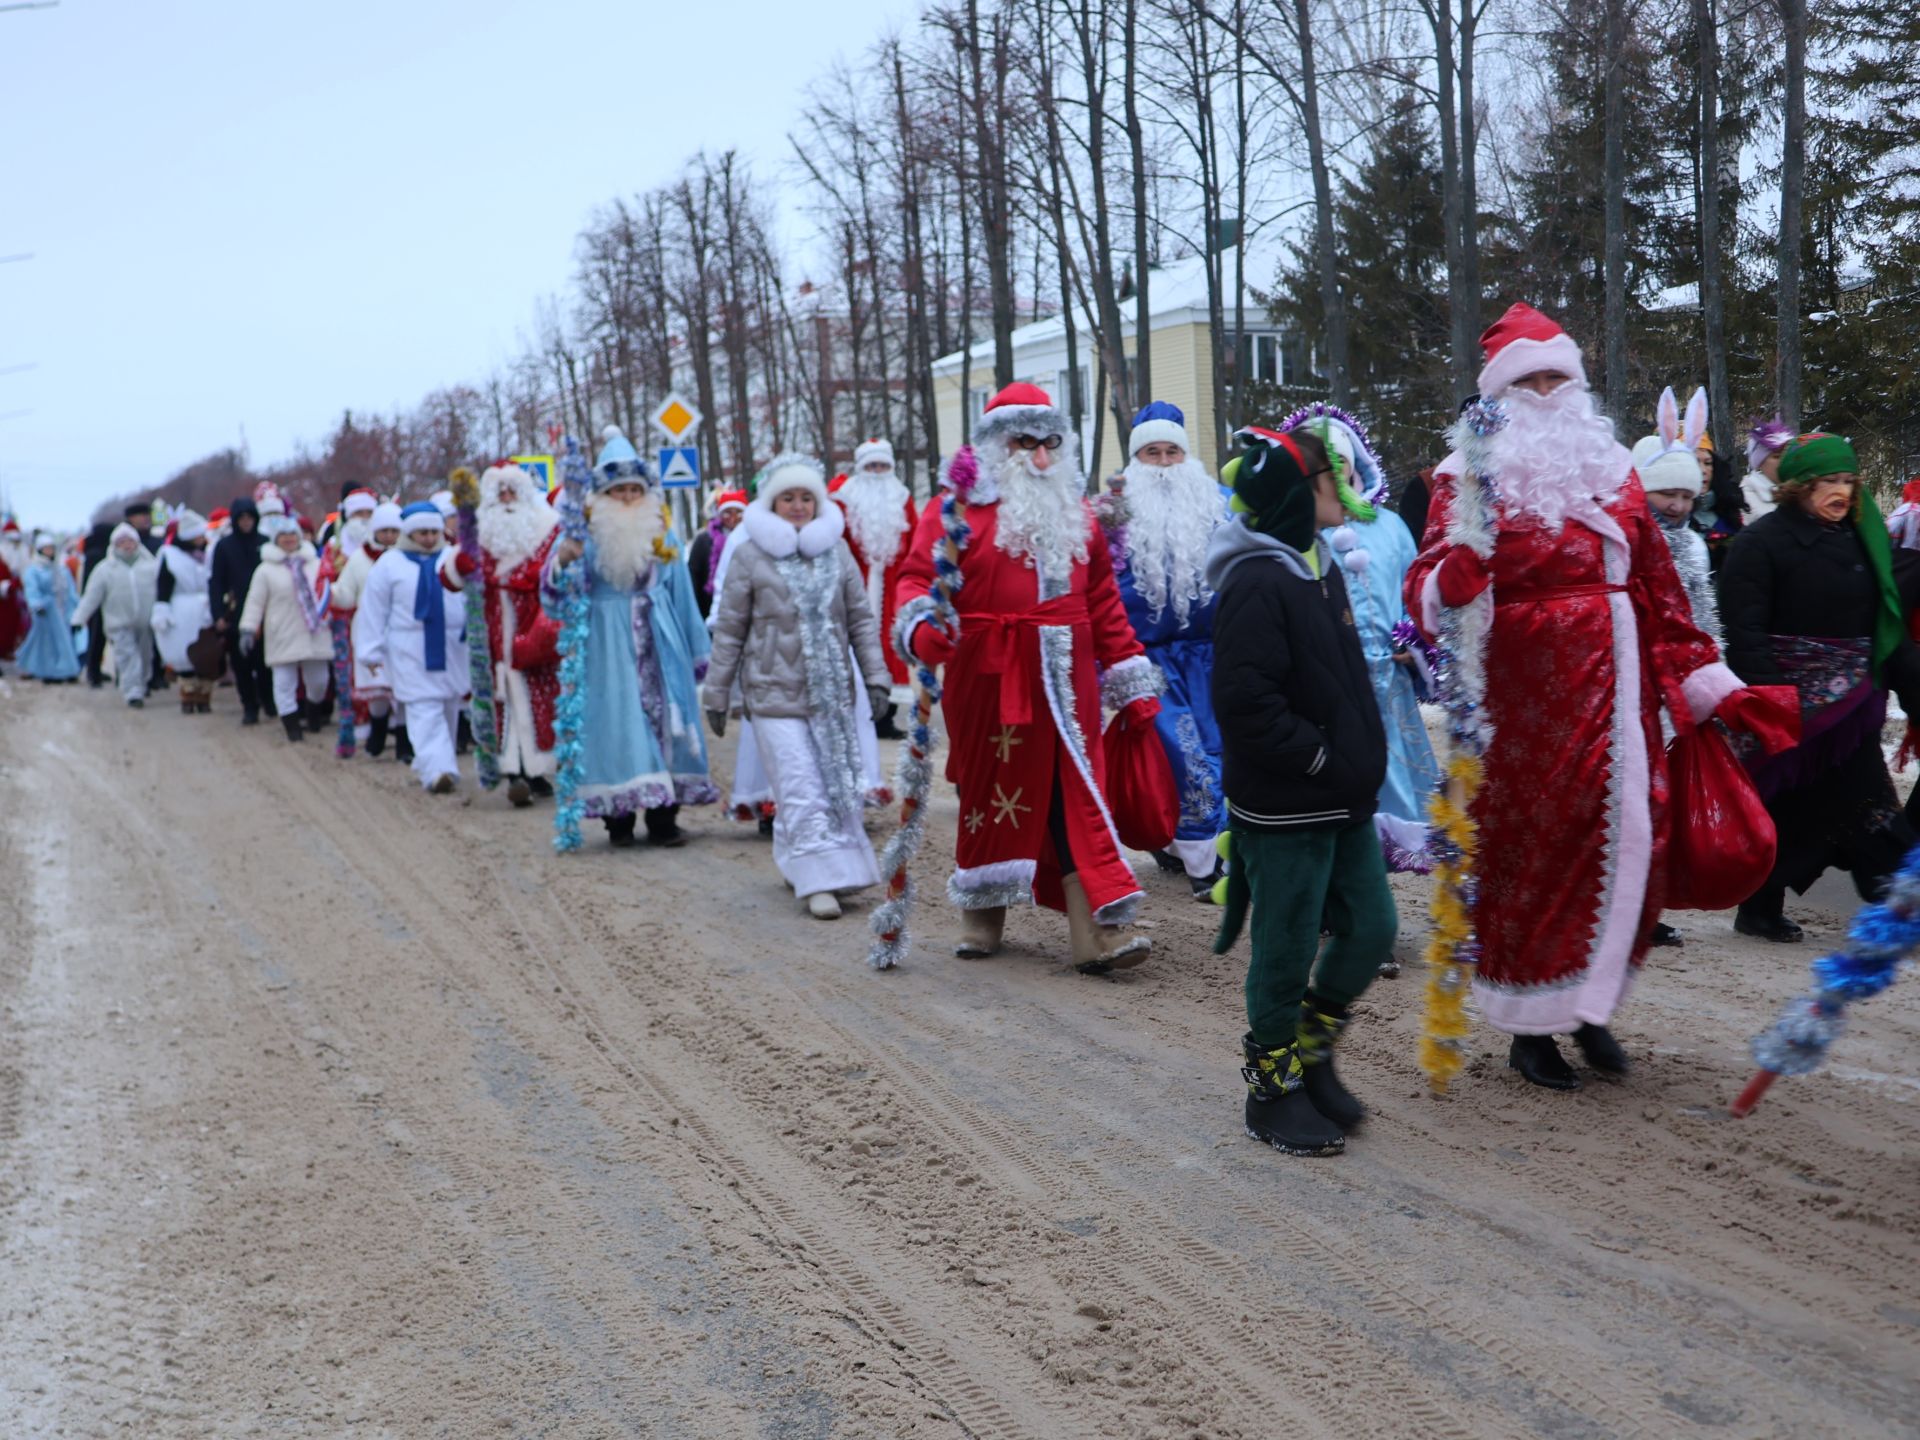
[885, 595]
[529, 643]
[1022, 705]
[1590, 635]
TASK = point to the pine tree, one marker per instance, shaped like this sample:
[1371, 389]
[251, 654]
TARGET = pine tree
[1861, 258]
[1393, 270]
[1549, 251]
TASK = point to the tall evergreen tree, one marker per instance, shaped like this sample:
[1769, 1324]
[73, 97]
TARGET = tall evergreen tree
[1392, 264]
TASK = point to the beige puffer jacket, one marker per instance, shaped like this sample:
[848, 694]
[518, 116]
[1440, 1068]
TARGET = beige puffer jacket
[273, 610]
[756, 627]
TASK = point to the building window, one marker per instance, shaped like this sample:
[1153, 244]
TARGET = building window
[1270, 357]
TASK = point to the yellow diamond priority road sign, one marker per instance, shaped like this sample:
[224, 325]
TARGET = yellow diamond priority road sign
[676, 418]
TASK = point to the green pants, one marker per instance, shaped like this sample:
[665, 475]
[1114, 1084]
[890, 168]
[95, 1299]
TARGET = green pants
[1297, 878]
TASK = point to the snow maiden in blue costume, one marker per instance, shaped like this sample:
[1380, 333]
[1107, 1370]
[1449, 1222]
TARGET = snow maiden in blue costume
[1376, 549]
[644, 753]
[1158, 530]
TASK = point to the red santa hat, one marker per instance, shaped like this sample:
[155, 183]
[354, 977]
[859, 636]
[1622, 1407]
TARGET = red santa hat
[1021, 409]
[11, 527]
[729, 500]
[359, 502]
[1524, 342]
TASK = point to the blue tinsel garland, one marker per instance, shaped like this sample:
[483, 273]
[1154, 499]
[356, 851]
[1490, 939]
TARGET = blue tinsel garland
[343, 686]
[1883, 935]
[569, 709]
[486, 756]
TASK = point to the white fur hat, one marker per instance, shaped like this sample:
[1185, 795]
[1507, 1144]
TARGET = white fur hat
[189, 525]
[386, 516]
[442, 500]
[872, 450]
[1670, 460]
[792, 471]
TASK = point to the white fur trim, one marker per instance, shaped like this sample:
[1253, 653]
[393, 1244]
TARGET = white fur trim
[1706, 687]
[725, 505]
[872, 450]
[779, 538]
[360, 502]
[1518, 359]
[1149, 431]
[1430, 602]
[989, 887]
[1132, 679]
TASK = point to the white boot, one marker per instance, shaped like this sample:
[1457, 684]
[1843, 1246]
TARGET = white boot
[980, 932]
[823, 905]
[1095, 946]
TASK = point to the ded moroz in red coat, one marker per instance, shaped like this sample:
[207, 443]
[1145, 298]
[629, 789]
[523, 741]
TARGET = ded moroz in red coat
[1022, 705]
[883, 589]
[1591, 634]
[524, 644]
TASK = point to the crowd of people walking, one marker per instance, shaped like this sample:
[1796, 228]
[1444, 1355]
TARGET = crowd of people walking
[1227, 673]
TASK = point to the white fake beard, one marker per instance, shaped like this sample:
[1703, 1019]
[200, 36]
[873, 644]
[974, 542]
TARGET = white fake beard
[623, 539]
[510, 533]
[876, 515]
[1556, 458]
[1171, 514]
[355, 532]
[1042, 517]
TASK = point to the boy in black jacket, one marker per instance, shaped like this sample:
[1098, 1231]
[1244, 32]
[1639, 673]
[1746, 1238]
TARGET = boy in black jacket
[1304, 754]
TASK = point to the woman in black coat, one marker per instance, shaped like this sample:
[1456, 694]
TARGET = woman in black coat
[235, 559]
[1808, 599]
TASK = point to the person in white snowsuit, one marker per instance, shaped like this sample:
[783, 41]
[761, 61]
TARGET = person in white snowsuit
[121, 590]
[412, 632]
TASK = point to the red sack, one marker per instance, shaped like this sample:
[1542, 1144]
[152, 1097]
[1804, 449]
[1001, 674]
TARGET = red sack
[537, 646]
[1723, 843]
[1140, 790]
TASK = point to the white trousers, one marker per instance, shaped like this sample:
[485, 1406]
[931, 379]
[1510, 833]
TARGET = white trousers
[431, 724]
[132, 660]
[286, 685]
[816, 847]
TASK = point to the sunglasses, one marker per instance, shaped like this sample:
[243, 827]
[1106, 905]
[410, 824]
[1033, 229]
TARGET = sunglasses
[1031, 442]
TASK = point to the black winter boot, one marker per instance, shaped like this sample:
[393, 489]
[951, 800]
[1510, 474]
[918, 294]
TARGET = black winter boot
[318, 714]
[620, 829]
[1603, 1052]
[883, 726]
[402, 747]
[1538, 1059]
[541, 786]
[663, 827]
[1279, 1110]
[1321, 1023]
[377, 735]
[295, 730]
[463, 736]
[250, 715]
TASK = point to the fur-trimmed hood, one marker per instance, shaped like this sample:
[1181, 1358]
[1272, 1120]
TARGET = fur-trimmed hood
[778, 537]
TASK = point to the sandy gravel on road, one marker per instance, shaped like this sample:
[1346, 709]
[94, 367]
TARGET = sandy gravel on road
[329, 1108]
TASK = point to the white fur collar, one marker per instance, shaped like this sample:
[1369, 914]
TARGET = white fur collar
[779, 539]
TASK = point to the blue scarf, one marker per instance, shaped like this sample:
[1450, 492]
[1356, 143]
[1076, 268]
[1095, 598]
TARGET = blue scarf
[429, 607]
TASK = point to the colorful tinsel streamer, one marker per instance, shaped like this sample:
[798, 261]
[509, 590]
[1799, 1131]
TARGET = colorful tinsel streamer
[569, 708]
[343, 685]
[1453, 950]
[913, 778]
[486, 754]
[1883, 935]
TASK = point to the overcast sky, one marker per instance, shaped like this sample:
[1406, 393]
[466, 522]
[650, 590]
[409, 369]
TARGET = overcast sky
[258, 214]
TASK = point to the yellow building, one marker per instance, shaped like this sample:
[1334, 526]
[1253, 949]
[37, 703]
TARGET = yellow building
[1182, 356]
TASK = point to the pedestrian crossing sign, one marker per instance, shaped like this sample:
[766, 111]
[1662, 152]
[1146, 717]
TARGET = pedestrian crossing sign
[679, 467]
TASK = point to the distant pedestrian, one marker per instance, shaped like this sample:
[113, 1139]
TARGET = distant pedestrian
[120, 591]
[287, 607]
[48, 654]
[235, 558]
